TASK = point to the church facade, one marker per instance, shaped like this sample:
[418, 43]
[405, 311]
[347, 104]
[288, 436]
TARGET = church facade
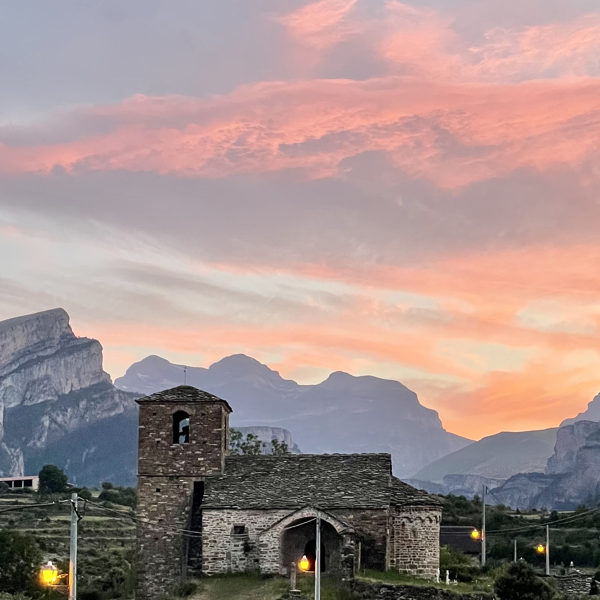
[203, 511]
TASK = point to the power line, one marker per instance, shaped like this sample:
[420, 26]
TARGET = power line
[147, 523]
[26, 506]
[574, 517]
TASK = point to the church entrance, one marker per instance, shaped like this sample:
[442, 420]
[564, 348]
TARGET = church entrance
[299, 539]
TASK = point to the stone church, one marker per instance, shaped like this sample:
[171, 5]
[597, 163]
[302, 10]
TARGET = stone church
[203, 511]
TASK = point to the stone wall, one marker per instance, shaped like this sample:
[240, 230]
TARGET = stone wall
[163, 507]
[260, 546]
[414, 541]
[371, 526]
[383, 591]
[221, 549]
[204, 454]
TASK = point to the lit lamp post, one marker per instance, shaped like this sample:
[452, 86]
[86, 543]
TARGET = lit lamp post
[304, 563]
[541, 549]
[49, 574]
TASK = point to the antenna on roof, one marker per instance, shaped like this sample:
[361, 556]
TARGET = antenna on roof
[184, 375]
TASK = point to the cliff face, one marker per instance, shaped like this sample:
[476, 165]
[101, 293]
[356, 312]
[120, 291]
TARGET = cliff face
[51, 385]
[571, 477]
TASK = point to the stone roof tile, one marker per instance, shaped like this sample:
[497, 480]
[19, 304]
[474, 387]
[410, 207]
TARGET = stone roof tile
[183, 393]
[326, 481]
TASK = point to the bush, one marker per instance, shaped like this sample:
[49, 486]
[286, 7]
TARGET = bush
[85, 494]
[459, 565]
[519, 582]
[20, 560]
[119, 495]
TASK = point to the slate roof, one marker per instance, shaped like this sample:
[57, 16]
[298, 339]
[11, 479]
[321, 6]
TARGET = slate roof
[183, 393]
[326, 481]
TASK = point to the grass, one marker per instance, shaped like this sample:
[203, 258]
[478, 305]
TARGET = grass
[484, 584]
[241, 587]
[257, 587]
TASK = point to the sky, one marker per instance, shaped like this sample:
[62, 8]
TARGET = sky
[402, 189]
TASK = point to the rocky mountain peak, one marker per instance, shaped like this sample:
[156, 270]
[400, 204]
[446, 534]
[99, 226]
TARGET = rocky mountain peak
[242, 366]
[592, 413]
[44, 331]
[51, 383]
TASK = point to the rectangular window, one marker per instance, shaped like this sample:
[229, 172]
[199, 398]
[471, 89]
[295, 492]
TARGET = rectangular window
[239, 529]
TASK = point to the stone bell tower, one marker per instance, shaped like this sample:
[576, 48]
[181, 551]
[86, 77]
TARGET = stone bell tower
[182, 439]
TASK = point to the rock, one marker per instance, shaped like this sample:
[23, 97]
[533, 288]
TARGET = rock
[51, 385]
[571, 477]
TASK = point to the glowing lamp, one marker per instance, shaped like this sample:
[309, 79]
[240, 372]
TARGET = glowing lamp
[304, 564]
[540, 548]
[475, 534]
[49, 574]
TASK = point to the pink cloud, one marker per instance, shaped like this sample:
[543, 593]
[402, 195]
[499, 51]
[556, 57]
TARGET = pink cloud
[451, 134]
[321, 24]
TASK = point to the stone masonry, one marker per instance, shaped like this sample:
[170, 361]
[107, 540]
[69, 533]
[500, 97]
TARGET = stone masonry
[168, 474]
[415, 541]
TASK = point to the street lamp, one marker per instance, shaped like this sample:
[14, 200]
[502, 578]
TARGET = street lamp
[49, 574]
[304, 563]
[475, 534]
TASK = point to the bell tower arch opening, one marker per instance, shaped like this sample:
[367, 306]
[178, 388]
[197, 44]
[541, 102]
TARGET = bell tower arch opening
[181, 427]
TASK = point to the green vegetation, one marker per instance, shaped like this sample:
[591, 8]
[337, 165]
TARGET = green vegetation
[52, 480]
[20, 560]
[106, 542]
[253, 446]
[519, 582]
[241, 587]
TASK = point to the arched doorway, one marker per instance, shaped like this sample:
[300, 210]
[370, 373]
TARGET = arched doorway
[299, 539]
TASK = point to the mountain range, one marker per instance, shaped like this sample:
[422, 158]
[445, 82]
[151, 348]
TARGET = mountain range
[341, 414]
[57, 405]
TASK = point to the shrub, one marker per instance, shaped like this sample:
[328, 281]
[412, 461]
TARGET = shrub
[20, 559]
[519, 582]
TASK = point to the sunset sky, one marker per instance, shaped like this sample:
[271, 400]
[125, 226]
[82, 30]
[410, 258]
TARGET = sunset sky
[403, 189]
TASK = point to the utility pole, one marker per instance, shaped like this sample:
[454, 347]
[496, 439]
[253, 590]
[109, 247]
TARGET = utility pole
[483, 527]
[73, 551]
[318, 559]
[515, 550]
[547, 550]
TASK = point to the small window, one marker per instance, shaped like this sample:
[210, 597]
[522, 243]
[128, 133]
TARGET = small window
[181, 427]
[239, 529]
[28, 483]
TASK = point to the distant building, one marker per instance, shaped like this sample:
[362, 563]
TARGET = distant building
[202, 511]
[458, 538]
[29, 482]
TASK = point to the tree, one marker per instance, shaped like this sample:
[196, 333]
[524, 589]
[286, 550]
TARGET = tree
[279, 448]
[52, 480]
[250, 445]
[20, 560]
[519, 582]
